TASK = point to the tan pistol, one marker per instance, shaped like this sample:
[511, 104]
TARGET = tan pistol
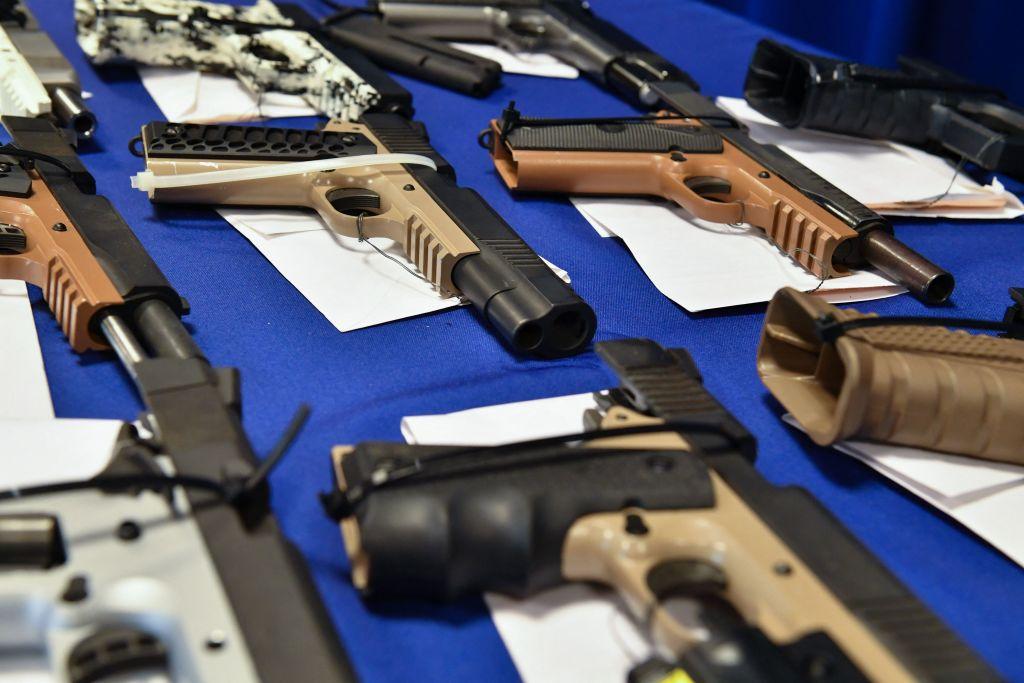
[704, 169]
[900, 381]
[59, 235]
[452, 236]
[661, 501]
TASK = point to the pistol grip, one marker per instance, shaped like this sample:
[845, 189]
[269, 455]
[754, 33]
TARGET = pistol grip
[654, 558]
[57, 259]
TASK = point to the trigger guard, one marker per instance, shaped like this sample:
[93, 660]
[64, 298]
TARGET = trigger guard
[707, 187]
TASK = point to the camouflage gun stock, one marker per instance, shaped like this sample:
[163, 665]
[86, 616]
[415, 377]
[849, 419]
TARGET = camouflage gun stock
[268, 47]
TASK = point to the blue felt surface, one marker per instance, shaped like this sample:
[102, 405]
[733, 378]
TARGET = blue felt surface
[360, 384]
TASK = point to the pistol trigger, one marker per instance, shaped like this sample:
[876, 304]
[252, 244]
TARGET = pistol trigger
[12, 239]
[709, 187]
[355, 201]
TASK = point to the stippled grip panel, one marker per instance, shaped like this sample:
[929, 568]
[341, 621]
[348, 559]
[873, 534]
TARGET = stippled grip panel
[399, 135]
[249, 143]
[500, 529]
[613, 136]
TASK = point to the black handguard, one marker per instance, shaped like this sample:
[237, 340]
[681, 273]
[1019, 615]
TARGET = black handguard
[193, 412]
[511, 287]
[919, 105]
[566, 29]
[411, 55]
[438, 522]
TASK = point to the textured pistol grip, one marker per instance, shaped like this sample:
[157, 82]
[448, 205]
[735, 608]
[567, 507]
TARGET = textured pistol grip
[500, 530]
[918, 386]
[801, 90]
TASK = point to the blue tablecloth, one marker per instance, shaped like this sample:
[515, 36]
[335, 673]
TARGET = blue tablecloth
[360, 384]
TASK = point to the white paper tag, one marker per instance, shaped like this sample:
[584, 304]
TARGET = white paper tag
[188, 96]
[882, 174]
[34, 452]
[702, 265]
[986, 497]
[27, 393]
[348, 281]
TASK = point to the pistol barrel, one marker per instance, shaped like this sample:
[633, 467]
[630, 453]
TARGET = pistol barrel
[925, 280]
[71, 112]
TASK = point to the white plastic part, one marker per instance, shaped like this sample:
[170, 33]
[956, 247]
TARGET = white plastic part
[21, 91]
[147, 182]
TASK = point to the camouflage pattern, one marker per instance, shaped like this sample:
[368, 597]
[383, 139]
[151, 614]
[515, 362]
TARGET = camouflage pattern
[256, 44]
[21, 91]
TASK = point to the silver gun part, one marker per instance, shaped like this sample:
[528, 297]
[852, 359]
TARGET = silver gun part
[160, 582]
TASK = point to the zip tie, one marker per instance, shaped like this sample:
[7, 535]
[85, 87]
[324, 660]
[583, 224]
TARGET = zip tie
[147, 181]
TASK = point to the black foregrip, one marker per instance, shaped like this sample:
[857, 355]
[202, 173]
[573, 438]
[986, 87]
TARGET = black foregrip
[393, 97]
[530, 306]
[116, 248]
[501, 530]
[412, 55]
[798, 89]
[920, 105]
[916, 637]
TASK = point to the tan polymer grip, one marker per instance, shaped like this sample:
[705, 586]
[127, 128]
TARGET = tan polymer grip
[58, 261]
[407, 214]
[358, 560]
[767, 584]
[921, 386]
[801, 228]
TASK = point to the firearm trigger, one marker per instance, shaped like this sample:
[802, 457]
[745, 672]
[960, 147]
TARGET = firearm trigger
[709, 186]
[12, 239]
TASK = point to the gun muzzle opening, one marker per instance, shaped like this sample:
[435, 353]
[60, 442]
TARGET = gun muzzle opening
[71, 111]
[565, 334]
[925, 280]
